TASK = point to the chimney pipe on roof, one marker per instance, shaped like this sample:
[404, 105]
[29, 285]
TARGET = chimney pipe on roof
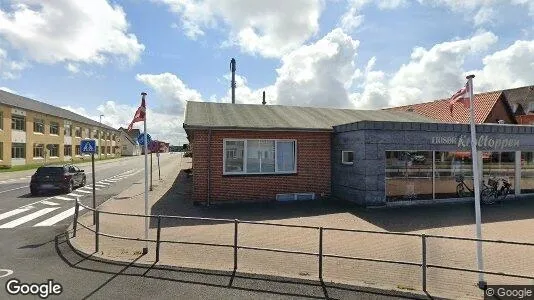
[263, 102]
[232, 68]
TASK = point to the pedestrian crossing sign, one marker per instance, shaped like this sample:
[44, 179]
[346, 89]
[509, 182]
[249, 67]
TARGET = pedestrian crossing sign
[88, 146]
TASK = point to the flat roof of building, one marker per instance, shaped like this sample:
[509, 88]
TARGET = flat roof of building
[44, 108]
[280, 117]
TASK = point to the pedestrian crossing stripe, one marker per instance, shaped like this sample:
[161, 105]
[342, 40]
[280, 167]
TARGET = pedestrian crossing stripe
[64, 198]
[28, 218]
[82, 191]
[13, 212]
[59, 217]
[49, 203]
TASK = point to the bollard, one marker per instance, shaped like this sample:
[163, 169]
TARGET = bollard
[75, 223]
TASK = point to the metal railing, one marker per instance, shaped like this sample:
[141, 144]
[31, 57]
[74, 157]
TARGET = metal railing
[423, 264]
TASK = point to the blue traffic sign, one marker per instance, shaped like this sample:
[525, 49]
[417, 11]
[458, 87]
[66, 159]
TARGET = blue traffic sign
[141, 138]
[88, 146]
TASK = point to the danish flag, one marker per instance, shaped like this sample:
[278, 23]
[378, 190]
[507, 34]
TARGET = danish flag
[140, 114]
[461, 96]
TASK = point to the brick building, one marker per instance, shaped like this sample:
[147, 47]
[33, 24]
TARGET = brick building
[254, 152]
[33, 132]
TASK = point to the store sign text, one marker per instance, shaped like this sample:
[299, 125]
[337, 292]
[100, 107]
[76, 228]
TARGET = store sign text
[483, 141]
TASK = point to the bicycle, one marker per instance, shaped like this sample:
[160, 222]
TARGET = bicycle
[489, 193]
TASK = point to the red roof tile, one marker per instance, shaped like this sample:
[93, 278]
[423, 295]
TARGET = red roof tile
[440, 110]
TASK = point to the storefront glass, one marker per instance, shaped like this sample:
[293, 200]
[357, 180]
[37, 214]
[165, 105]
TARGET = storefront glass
[527, 172]
[408, 175]
[498, 165]
[451, 168]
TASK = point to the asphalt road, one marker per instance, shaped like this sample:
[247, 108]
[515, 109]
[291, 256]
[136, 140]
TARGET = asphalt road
[34, 249]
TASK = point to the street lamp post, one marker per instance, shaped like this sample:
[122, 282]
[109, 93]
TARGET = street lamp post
[100, 139]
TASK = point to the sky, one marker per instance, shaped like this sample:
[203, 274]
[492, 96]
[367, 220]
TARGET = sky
[96, 57]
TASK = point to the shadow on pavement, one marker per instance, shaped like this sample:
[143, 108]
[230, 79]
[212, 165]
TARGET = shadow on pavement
[229, 280]
[177, 201]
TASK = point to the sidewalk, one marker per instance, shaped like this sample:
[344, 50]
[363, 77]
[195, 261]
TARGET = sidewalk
[16, 174]
[170, 197]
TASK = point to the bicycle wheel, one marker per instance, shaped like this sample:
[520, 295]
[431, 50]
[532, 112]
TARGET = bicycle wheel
[488, 196]
[460, 190]
[503, 193]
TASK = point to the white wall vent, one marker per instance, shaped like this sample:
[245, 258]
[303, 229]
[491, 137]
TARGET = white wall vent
[295, 196]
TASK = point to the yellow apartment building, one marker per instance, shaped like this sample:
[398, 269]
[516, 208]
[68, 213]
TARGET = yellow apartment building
[33, 132]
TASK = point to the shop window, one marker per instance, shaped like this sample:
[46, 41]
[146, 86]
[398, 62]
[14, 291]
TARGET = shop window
[38, 126]
[408, 175]
[54, 150]
[527, 172]
[347, 157]
[259, 156]
[67, 150]
[498, 165]
[18, 150]
[38, 151]
[452, 168]
[18, 123]
[54, 128]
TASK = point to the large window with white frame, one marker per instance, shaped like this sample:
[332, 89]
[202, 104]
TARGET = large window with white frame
[255, 156]
[38, 125]
[18, 122]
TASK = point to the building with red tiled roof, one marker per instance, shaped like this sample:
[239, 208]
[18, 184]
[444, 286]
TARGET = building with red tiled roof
[490, 107]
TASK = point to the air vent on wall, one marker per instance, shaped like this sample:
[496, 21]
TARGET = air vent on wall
[295, 197]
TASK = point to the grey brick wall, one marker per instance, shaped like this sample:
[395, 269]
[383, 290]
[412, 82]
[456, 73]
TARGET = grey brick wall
[364, 181]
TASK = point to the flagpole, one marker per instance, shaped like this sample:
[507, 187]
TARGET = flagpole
[476, 183]
[145, 249]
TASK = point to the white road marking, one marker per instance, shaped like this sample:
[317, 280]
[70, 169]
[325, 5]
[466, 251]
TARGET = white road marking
[59, 217]
[6, 271]
[99, 185]
[49, 203]
[28, 218]
[12, 213]
[74, 195]
[104, 183]
[13, 189]
[82, 191]
[64, 198]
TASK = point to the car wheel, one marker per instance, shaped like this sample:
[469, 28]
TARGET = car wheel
[83, 182]
[34, 192]
[70, 188]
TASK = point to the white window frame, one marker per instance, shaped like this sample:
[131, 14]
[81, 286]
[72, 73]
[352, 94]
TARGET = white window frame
[244, 172]
[343, 157]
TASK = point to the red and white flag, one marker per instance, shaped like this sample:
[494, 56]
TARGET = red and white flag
[140, 114]
[461, 96]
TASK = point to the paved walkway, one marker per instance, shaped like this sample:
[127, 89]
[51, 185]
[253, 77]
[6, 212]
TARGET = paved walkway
[509, 221]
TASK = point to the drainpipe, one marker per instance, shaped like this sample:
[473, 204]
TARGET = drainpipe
[209, 166]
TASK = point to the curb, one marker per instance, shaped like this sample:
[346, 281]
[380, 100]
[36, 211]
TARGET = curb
[325, 284]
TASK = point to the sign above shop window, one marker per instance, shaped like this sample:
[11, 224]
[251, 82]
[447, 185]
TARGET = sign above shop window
[483, 141]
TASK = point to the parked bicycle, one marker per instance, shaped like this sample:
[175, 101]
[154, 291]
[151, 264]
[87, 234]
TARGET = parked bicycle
[490, 192]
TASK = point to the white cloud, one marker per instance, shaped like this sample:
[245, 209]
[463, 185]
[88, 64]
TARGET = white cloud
[353, 18]
[269, 28]
[73, 68]
[10, 69]
[8, 90]
[510, 67]
[484, 15]
[69, 31]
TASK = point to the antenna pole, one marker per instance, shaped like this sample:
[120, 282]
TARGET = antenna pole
[233, 68]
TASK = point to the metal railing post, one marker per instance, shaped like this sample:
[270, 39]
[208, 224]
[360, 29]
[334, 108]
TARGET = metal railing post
[158, 235]
[236, 222]
[97, 228]
[321, 253]
[423, 262]
[75, 222]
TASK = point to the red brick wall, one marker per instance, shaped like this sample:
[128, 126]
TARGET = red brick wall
[313, 168]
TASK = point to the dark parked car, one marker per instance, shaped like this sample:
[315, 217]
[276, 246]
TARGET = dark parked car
[57, 177]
